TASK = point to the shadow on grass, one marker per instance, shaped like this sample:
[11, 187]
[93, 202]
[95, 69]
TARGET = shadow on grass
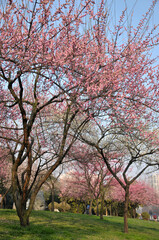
[116, 225]
[68, 226]
[47, 226]
[46, 232]
[7, 211]
[144, 225]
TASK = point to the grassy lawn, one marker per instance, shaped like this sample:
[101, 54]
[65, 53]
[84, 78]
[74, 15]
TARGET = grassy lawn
[68, 226]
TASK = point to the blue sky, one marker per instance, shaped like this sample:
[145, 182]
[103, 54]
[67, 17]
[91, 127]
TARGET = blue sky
[139, 7]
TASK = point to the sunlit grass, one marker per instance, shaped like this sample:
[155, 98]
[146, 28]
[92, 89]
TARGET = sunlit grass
[68, 226]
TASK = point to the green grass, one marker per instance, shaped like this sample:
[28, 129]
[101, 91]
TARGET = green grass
[68, 226]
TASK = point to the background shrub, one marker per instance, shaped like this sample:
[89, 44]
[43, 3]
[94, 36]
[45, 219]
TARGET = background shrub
[145, 216]
[64, 207]
[56, 206]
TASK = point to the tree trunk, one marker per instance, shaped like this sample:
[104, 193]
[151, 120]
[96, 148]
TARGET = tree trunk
[102, 207]
[24, 220]
[97, 208]
[22, 213]
[110, 209]
[126, 203]
[4, 197]
[106, 211]
[20, 203]
[85, 207]
[116, 212]
[52, 198]
[78, 206]
[90, 208]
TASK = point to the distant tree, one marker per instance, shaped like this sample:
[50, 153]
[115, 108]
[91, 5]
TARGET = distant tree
[3, 164]
[89, 178]
[51, 187]
[5, 174]
[140, 194]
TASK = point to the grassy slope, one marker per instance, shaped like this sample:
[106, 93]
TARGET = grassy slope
[68, 226]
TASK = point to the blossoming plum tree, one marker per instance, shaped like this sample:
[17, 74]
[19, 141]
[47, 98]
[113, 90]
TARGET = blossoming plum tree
[53, 63]
[140, 194]
[42, 53]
